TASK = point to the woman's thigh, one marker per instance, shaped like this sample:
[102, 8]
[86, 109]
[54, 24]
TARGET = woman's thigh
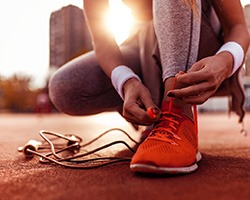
[80, 87]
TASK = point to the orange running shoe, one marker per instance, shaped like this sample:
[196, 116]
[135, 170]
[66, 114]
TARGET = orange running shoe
[171, 147]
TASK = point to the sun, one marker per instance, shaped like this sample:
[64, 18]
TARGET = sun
[119, 20]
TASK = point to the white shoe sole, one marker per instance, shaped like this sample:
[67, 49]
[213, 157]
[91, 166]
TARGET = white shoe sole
[151, 169]
[198, 157]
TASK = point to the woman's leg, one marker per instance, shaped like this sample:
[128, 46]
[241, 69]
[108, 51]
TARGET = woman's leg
[172, 145]
[178, 33]
[80, 87]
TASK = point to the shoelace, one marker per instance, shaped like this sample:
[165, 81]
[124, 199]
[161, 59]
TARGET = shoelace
[169, 132]
[194, 110]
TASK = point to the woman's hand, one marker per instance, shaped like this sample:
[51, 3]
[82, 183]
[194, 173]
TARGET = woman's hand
[203, 78]
[137, 99]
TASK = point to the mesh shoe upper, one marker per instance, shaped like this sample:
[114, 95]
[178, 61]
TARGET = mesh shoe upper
[171, 143]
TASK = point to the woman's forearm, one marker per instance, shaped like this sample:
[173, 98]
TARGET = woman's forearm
[107, 51]
[233, 22]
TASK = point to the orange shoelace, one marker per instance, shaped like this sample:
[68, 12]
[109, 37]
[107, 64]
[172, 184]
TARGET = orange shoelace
[194, 109]
[168, 132]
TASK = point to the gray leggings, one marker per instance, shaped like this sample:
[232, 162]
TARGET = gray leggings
[178, 33]
[80, 87]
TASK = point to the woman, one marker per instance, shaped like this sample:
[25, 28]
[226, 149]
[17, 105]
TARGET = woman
[183, 67]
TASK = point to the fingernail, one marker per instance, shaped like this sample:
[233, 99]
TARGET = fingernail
[179, 73]
[170, 94]
[151, 113]
[156, 111]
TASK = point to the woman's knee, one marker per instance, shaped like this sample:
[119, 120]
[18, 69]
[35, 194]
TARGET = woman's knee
[67, 83]
[78, 86]
[58, 91]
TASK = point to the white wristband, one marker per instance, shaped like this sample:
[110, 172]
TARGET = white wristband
[119, 76]
[237, 52]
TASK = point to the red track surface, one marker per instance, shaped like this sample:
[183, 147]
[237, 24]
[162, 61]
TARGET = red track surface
[224, 172]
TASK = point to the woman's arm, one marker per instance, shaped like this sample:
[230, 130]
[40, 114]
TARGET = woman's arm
[206, 75]
[234, 27]
[233, 23]
[141, 9]
[110, 57]
[107, 51]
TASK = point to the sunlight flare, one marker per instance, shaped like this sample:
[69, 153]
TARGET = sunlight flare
[119, 20]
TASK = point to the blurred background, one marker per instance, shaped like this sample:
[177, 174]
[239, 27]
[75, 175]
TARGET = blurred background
[39, 36]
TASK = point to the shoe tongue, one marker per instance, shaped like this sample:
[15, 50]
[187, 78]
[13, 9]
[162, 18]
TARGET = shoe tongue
[165, 107]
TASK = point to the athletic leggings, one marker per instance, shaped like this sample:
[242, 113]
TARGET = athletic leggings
[80, 87]
[178, 33]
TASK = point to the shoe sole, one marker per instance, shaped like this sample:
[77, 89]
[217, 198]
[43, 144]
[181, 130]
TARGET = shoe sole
[198, 157]
[151, 169]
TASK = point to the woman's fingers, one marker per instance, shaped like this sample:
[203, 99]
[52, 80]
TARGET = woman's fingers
[201, 81]
[198, 99]
[192, 90]
[137, 115]
[137, 100]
